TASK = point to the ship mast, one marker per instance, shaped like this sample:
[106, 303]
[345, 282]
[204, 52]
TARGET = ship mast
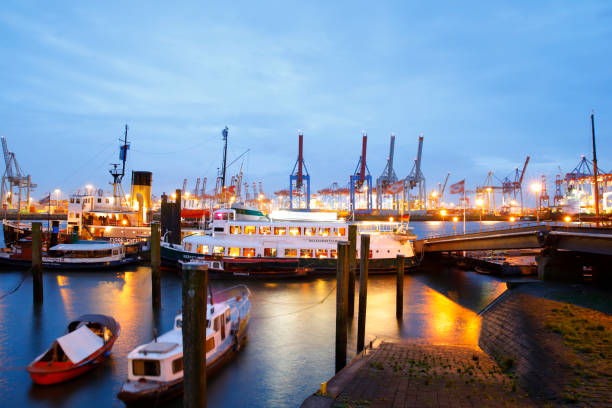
[118, 176]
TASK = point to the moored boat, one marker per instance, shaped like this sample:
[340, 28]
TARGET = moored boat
[255, 245]
[155, 369]
[87, 342]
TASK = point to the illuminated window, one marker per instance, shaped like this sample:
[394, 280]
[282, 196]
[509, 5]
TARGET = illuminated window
[265, 230]
[291, 253]
[235, 229]
[250, 229]
[339, 232]
[294, 231]
[324, 232]
[188, 246]
[202, 249]
[306, 253]
[218, 250]
[280, 231]
[370, 253]
[210, 344]
[310, 231]
[248, 252]
[233, 251]
[145, 367]
[333, 253]
[321, 253]
[269, 251]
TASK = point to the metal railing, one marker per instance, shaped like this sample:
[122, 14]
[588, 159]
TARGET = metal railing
[516, 226]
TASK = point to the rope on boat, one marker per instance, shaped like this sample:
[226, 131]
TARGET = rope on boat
[16, 288]
[310, 306]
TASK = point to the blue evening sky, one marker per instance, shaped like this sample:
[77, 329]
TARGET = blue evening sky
[487, 83]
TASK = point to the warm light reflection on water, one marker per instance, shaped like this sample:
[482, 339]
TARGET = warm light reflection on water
[291, 336]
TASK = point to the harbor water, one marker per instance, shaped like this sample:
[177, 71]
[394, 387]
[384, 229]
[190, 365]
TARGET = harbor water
[291, 334]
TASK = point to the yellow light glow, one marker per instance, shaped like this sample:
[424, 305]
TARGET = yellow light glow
[489, 189]
[57, 191]
[89, 187]
[443, 213]
[434, 193]
[512, 219]
[107, 229]
[455, 219]
[187, 194]
[173, 196]
[536, 187]
[479, 202]
[124, 222]
[390, 219]
[567, 219]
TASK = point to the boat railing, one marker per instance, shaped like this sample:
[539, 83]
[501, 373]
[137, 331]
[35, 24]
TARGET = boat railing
[384, 227]
[231, 292]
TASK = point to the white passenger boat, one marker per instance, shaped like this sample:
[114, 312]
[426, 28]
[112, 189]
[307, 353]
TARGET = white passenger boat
[155, 369]
[248, 243]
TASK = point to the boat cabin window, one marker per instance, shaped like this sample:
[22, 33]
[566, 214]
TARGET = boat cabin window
[370, 256]
[80, 254]
[248, 252]
[233, 251]
[219, 229]
[321, 253]
[218, 250]
[145, 367]
[310, 231]
[290, 253]
[224, 216]
[267, 230]
[280, 231]
[269, 251]
[202, 249]
[324, 232]
[235, 229]
[216, 326]
[177, 365]
[72, 200]
[333, 253]
[250, 229]
[339, 232]
[188, 246]
[99, 200]
[295, 231]
[78, 200]
[306, 253]
[228, 315]
[115, 252]
[210, 344]
[179, 323]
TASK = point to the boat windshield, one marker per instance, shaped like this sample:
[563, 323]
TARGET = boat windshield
[149, 368]
[80, 254]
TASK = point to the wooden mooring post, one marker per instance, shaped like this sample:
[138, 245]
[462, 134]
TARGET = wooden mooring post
[37, 287]
[155, 265]
[352, 255]
[195, 295]
[341, 304]
[399, 298]
[364, 265]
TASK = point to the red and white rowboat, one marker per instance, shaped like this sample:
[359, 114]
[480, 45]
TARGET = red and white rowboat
[86, 343]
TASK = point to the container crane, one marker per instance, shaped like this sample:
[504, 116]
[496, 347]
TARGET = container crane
[299, 180]
[387, 177]
[416, 179]
[360, 182]
[13, 177]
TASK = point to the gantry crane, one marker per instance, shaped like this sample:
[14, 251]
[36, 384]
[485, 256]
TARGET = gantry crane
[360, 182]
[299, 180]
[13, 177]
[387, 177]
[416, 179]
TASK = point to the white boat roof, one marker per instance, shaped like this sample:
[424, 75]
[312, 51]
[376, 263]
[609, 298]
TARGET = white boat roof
[80, 343]
[96, 246]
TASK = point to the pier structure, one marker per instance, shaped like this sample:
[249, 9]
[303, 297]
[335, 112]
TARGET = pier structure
[565, 250]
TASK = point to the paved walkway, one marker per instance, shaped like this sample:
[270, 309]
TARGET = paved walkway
[405, 374]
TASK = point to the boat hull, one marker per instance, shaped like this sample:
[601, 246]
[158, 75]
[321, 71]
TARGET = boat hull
[50, 375]
[275, 267]
[26, 263]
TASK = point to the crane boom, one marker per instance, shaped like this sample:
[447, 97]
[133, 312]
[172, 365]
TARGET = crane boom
[391, 153]
[444, 186]
[419, 155]
[523, 172]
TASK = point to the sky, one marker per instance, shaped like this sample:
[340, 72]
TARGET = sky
[486, 83]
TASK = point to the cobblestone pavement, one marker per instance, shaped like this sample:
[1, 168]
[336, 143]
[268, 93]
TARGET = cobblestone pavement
[421, 375]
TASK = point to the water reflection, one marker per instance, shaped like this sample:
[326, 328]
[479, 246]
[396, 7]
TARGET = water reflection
[291, 337]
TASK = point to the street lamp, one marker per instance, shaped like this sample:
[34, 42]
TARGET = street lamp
[479, 203]
[536, 187]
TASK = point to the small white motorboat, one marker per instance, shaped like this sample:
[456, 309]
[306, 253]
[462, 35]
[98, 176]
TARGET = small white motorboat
[155, 369]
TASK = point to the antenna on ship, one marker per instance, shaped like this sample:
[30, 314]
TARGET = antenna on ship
[118, 176]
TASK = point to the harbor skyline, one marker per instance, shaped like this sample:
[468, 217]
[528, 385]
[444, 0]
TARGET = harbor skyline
[486, 85]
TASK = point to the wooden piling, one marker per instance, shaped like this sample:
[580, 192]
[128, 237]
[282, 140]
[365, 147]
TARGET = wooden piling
[364, 266]
[195, 296]
[176, 234]
[155, 265]
[341, 304]
[37, 287]
[399, 298]
[352, 255]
